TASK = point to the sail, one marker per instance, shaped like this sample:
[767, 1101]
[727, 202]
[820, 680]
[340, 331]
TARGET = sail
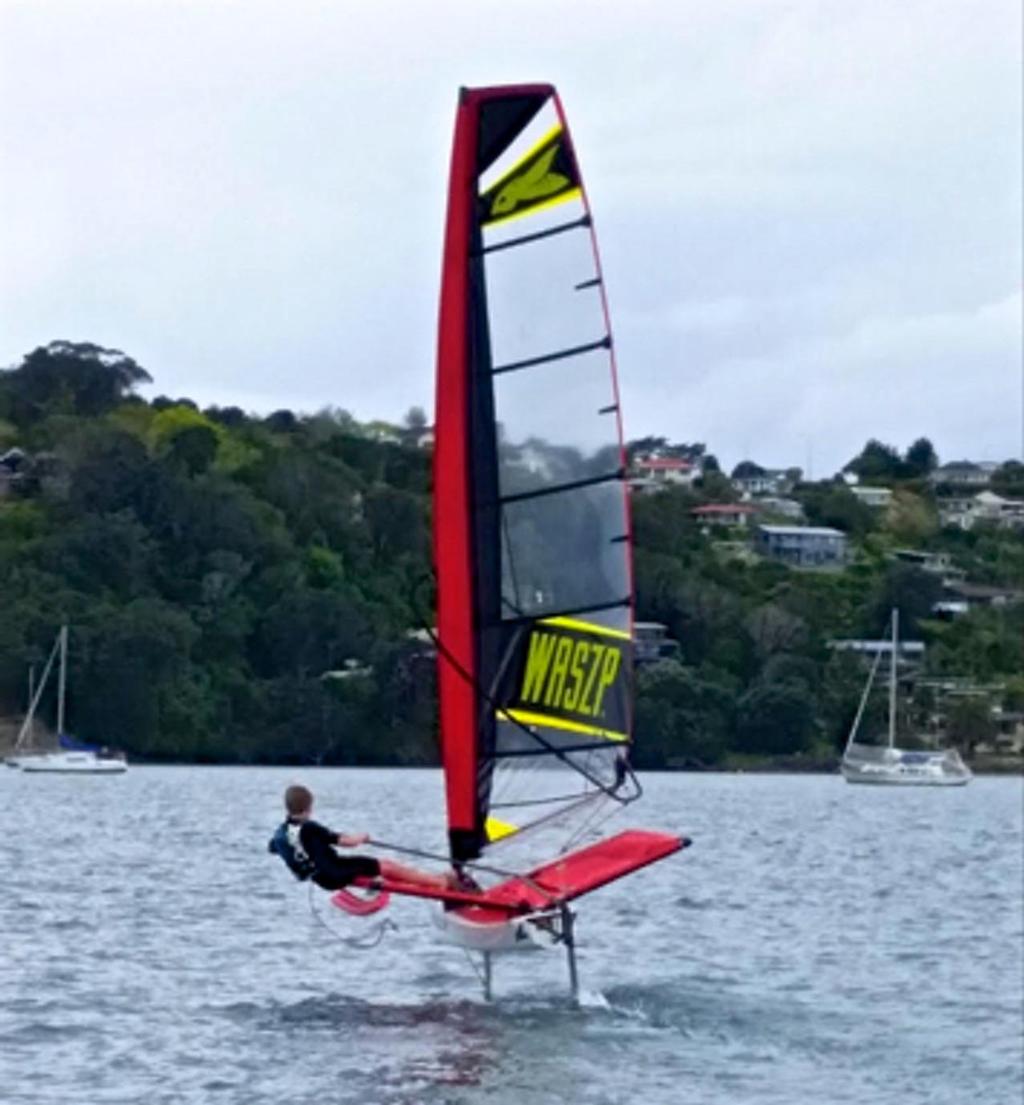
[532, 539]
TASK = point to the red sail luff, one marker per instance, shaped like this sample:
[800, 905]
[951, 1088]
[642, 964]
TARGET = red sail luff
[452, 551]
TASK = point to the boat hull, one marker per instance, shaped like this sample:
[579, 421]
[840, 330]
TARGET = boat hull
[72, 763]
[907, 777]
[501, 933]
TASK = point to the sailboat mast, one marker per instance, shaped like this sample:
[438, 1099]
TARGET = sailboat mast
[892, 676]
[62, 684]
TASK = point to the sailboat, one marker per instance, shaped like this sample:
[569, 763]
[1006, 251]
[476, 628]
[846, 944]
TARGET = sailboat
[532, 541]
[886, 764]
[72, 756]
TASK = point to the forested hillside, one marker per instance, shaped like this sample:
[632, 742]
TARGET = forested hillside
[251, 589]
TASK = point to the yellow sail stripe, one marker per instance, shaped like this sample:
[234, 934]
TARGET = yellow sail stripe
[527, 717]
[586, 627]
[496, 829]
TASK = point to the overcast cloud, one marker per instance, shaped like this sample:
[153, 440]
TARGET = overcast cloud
[809, 212]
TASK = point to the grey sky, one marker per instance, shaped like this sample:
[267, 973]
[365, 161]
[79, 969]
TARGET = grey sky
[809, 212]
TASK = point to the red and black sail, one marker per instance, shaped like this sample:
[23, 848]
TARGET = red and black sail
[531, 522]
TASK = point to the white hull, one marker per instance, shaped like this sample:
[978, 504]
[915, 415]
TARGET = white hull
[867, 764]
[527, 933]
[20, 761]
[72, 763]
[894, 777]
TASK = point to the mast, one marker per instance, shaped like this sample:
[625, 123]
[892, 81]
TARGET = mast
[892, 676]
[62, 679]
[27, 724]
[31, 701]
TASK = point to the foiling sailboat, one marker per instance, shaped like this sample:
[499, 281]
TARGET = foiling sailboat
[886, 764]
[532, 541]
[72, 756]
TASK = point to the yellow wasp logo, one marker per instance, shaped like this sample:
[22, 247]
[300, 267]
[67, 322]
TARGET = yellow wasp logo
[546, 174]
[537, 181]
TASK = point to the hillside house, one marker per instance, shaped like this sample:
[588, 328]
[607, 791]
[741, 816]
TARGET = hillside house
[802, 546]
[986, 507]
[652, 643]
[658, 473]
[779, 506]
[750, 480]
[875, 497]
[980, 594]
[906, 651]
[723, 514]
[937, 563]
[963, 473]
[12, 469]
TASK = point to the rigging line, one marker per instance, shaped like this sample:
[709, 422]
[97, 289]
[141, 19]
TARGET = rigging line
[443, 649]
[558, 488]
[525, 239]
[560, 355]
[357, 944]
[555, 815]
[490, 869]
[598, 816]
[419, 853]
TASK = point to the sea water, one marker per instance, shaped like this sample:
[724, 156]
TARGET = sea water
[819, 943]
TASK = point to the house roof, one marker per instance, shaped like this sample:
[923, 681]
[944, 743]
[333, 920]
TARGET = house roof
[806, 531]
[723, 508]
[673, 463]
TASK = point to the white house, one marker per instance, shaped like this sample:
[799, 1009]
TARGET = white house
[723, 514]
[802, 546]
[875, 497]
[665, 470]
[964, 473]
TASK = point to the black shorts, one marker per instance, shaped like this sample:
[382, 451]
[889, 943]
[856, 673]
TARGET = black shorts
[340, 872]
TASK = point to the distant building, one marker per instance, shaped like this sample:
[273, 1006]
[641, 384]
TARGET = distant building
[875, 497]
[776, 504]
[963, 473]
[723, 514]
[986, 506]
[652, 643]
[751, 479]
[937, 563]
[956, 511]
[905, 650]
[981, 594]
[802, 546]
[12, 465]
[658, 473]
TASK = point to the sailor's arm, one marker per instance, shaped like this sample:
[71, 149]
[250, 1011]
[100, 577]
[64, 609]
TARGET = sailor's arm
[351, 840]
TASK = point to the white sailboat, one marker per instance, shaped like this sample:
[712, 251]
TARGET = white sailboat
[72, 757]
[886, 764]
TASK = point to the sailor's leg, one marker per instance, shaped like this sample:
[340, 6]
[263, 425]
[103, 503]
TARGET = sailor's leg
[400, 873]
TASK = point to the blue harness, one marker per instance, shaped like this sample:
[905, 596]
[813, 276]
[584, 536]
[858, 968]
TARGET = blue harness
[286, 843]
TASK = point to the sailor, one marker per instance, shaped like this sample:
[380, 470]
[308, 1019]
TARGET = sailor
[308, 849]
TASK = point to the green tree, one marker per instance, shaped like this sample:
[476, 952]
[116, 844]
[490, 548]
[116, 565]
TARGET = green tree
[76, 378]
[877, 463]
[776, 718]
[970, 723]
[921, 458]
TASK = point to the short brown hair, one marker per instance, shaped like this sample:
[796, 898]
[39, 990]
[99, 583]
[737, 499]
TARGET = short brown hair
[298, 800]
